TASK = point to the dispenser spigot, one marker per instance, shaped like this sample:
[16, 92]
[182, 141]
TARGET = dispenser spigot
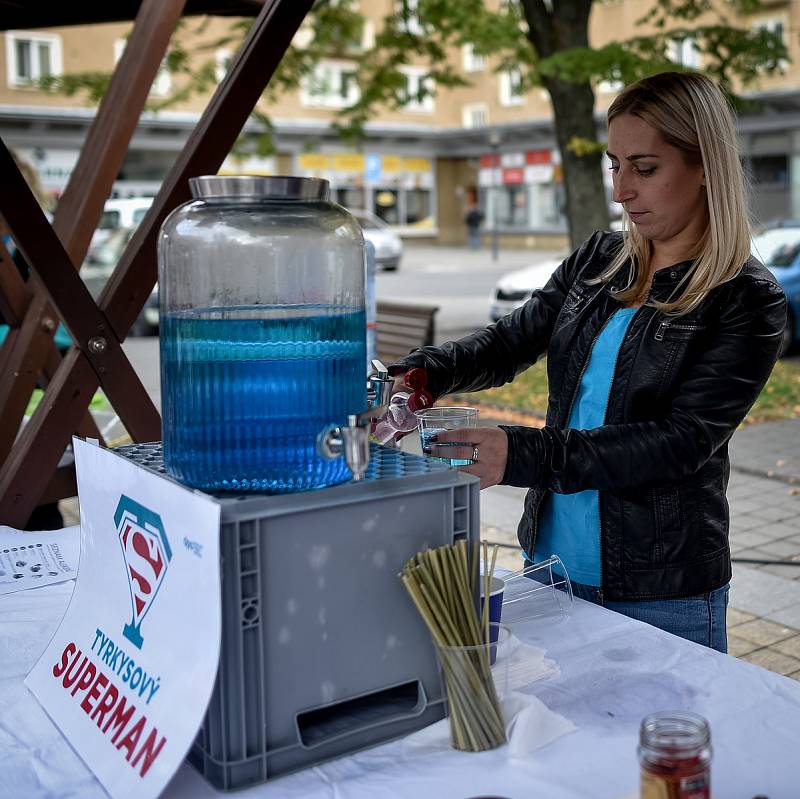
[379, 386]
[351, 440]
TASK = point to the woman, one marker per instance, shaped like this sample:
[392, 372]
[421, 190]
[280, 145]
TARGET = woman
[658, 341]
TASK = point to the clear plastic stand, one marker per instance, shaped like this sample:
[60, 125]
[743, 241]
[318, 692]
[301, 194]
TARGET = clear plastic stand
[539, 591]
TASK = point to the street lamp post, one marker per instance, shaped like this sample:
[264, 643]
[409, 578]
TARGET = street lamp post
[494, 144]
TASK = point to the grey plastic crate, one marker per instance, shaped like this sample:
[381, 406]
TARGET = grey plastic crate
[323, 653]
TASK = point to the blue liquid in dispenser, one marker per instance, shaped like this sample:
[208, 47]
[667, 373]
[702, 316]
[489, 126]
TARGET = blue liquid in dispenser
[244, 397]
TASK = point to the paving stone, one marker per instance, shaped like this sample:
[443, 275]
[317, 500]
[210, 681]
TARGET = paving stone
[744, 505]
[763, 632]
[742, 523]
[740, 646]
[781, 549]
[774, 661]
[779, 531]
[788, 616]
[790, 571]
[734, 617]
[773, 513]
[750, 538]
[761, 593]
[754, 554]
[789, 646]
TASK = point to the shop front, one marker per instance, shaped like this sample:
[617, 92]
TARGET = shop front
[399, 189]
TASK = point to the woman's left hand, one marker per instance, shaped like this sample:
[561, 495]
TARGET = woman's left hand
[487, 447]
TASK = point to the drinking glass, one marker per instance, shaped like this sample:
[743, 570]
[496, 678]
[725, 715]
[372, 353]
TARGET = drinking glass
[438, 420]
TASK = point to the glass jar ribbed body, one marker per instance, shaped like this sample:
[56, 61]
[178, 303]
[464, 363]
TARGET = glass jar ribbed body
[263, 333]
[675, 756]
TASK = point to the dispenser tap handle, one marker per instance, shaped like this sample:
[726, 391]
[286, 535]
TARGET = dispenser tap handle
[381, 372]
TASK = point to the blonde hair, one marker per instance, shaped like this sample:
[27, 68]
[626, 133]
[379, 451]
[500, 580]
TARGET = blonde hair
[689, 112]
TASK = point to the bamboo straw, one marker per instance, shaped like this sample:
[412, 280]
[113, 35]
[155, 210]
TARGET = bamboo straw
[442, 583]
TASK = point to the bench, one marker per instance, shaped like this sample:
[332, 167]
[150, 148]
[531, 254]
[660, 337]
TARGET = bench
[402, 327]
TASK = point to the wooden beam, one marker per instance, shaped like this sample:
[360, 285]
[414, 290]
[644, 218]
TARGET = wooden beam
[134, 278]
[103, 153]
[89, 328]
[78, 214]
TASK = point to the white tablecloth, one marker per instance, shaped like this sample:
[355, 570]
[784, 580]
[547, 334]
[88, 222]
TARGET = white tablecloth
[613, 671]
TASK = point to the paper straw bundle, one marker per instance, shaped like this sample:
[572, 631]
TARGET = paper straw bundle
[443, 583]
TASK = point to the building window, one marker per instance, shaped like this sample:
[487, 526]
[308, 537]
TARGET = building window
[408, 16]
[776, 25]
[684, 52]
[419, 90]
[332, 84]
[163, 81]
[32, 56]
[472, 62]
[769, 170]
[222, 63]
[475, 115]
[611, 86]
[419, 207]
[385, 204]
[511, 88]
[368, 35]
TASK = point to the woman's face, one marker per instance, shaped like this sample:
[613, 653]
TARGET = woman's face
[663, 195]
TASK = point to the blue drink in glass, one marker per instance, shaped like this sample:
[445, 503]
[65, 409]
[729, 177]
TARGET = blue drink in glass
[425, 436]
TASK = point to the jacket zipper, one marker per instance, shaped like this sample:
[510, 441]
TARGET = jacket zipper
[605, 419]
[665, 323]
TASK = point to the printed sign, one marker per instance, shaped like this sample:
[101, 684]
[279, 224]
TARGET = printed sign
[128, 674]
[31, 560]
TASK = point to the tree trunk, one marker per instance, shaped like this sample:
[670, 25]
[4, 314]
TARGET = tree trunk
[586, 205]
[555, 27]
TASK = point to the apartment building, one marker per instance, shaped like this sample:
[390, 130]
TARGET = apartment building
[421, 165]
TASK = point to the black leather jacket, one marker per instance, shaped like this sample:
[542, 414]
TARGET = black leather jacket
[681, 387]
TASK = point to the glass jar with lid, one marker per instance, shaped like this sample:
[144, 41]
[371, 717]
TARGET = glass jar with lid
[263, 333]
[675, 756]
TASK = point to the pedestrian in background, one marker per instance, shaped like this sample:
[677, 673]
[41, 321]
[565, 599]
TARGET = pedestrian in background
[473, 220]
[659, 338]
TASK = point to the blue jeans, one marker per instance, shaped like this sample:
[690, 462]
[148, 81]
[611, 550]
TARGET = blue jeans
[696, 618]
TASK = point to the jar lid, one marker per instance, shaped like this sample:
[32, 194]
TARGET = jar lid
[259, 187]
[678, 733]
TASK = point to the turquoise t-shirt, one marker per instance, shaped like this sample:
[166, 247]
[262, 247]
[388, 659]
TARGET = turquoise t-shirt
[570, 523]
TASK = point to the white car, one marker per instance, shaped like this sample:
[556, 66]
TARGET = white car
[515, 288]
[388, 245]
[118, 213]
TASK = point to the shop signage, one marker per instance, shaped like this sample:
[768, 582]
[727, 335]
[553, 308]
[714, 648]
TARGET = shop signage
[348, 162]
[372, 171]
[129, 672]
[538, 157]
[515, 175]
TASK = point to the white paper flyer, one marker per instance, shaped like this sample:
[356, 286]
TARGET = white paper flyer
[34, 559]
[128, 674]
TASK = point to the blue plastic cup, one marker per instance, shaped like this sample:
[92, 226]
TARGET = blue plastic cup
[496, 588]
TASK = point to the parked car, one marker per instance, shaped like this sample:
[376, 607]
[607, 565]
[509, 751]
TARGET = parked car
[388, 245]
[118, 213]
[100, 264]
[779, 250]
[515, 288]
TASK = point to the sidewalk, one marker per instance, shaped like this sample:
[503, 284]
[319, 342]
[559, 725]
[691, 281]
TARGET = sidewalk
[764, 497]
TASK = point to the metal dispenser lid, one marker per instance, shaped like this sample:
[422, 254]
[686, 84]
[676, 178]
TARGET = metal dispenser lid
[259, 187]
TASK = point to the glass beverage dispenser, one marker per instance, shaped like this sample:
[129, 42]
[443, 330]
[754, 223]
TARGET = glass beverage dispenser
[261, 295]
